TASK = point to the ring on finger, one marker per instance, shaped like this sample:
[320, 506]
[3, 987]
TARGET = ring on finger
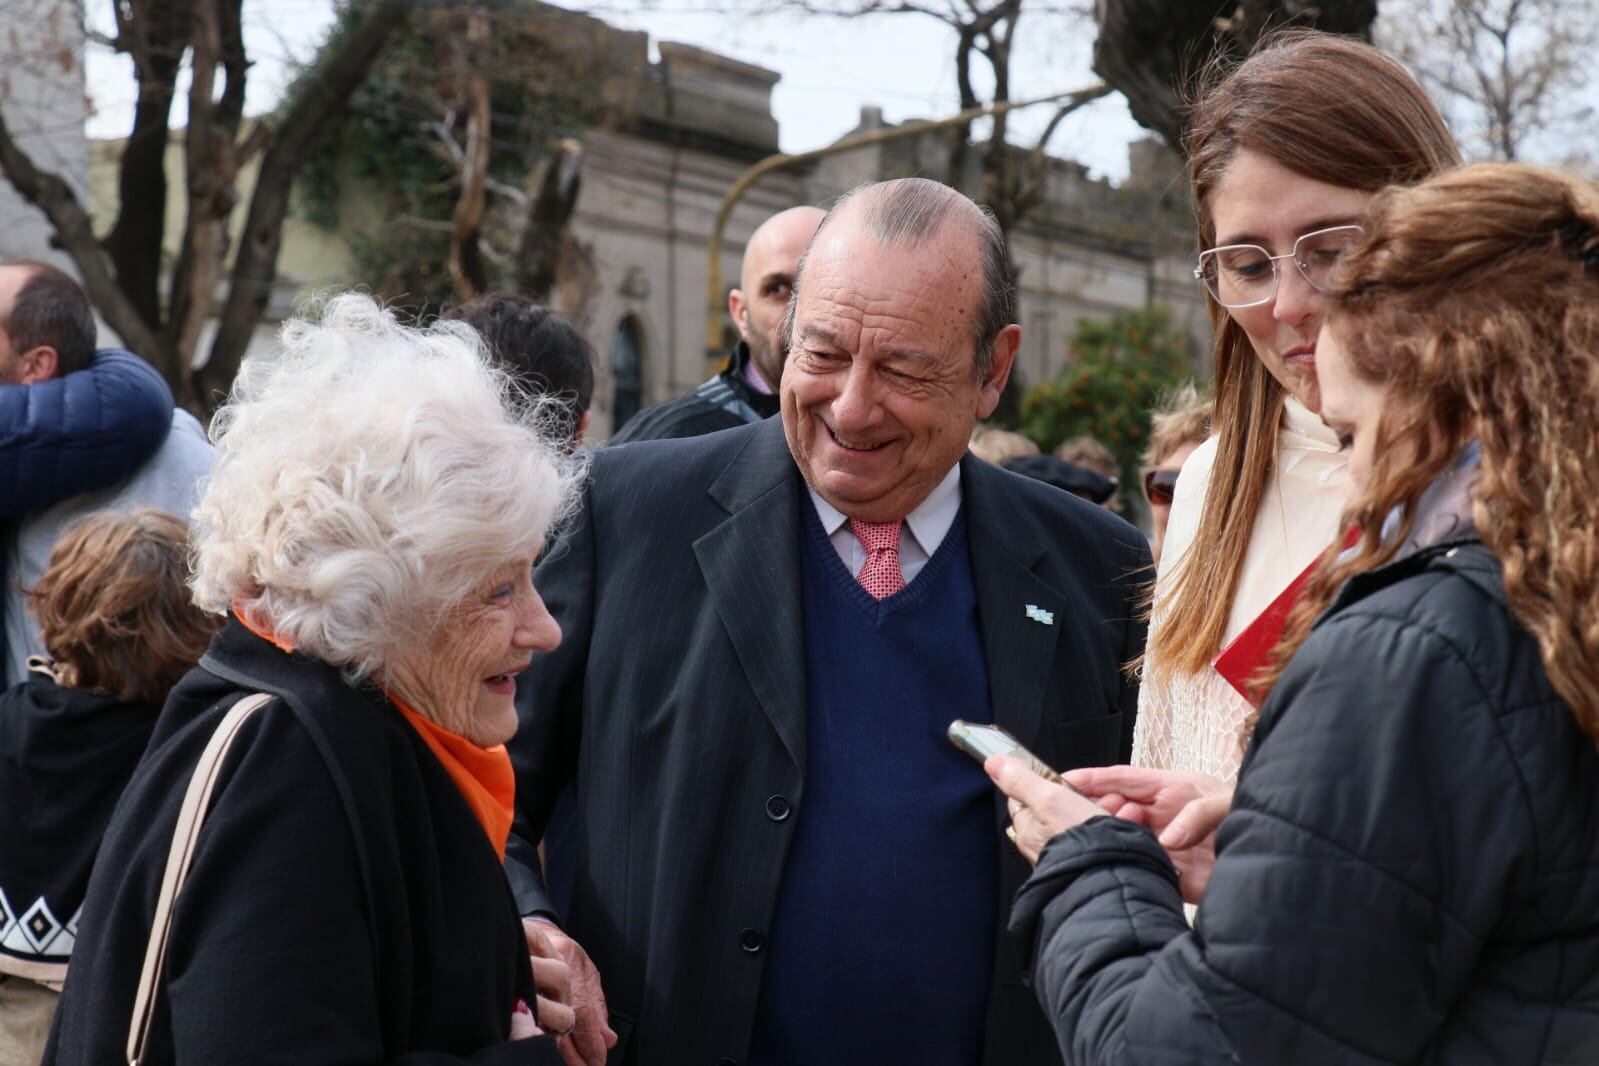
[1010, 833]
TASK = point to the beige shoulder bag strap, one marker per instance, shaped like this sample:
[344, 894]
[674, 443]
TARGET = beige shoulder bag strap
[196, 800]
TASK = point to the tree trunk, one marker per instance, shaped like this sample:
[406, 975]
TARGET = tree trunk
[960, 136]
[466, 256]
[211, 163]
[549, 213]
[155, 34]
[339, 71]
[1152, 50]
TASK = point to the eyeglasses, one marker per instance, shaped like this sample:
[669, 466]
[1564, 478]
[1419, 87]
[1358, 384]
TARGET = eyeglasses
[1245, 275]
[1160, 485]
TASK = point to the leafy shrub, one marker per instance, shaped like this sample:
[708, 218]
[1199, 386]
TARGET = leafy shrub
[1119, 368]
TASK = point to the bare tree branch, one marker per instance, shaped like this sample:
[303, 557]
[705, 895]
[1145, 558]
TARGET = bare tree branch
[861, 9]
[211, 170]
[1031, 192]
[466, 258]
[1504, 71]
[155, 33]
[555, 189]
[338, 71]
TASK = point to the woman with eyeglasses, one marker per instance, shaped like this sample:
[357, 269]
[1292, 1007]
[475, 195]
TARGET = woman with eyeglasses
[1285, 154]
[1407, 874]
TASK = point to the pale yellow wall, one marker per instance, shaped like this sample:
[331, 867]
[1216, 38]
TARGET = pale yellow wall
[312, 258]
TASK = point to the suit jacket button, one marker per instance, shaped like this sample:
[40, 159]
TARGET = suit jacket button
[778, 808]
[750, 940]
[726, 1062]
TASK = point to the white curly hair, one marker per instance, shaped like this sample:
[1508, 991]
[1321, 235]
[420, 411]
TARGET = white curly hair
[369, 479]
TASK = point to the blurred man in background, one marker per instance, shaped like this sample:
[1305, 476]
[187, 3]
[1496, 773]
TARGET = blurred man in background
[747, 390]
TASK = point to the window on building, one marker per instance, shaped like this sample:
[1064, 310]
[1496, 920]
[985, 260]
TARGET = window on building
[627, 372]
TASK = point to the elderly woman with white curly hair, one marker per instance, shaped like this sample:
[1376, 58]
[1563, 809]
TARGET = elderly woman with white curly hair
[378, 498]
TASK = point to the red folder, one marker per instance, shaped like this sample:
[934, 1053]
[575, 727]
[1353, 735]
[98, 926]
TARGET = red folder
[1247, 653]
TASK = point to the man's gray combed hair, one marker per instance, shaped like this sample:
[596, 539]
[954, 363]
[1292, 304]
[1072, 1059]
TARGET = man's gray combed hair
[909, 212]
[369, 479]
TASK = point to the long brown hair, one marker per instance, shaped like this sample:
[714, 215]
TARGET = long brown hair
[1332, 109]
[1474, 297]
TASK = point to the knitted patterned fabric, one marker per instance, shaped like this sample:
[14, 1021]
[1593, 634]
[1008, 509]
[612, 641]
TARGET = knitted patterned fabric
[881, 575]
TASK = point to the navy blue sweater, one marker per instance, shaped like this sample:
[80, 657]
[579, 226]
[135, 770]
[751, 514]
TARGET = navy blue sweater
[882, 946]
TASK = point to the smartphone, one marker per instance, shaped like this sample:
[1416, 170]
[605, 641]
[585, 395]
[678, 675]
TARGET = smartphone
[981, 741]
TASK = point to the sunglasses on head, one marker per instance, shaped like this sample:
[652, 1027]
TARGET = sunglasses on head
[1160, 486]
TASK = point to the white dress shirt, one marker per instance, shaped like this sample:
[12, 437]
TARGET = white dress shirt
[923, 531]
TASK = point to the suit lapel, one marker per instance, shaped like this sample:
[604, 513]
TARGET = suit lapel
[751, 565]
[1020, 614]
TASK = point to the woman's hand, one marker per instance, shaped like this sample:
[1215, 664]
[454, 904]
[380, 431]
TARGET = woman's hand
[1182, 809]
[522, 1023]
[1040, 810]
[571, 1003]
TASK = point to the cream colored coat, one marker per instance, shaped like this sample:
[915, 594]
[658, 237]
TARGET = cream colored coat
[1197, 721]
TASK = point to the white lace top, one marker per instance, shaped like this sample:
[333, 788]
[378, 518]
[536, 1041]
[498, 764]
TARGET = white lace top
[1196, 721]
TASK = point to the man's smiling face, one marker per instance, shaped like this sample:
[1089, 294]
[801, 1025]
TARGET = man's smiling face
[881, 389]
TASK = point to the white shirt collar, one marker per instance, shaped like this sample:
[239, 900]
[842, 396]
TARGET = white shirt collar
[1303, 429]
[929, 522]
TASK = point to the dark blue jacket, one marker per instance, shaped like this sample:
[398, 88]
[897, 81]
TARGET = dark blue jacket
[84, 431]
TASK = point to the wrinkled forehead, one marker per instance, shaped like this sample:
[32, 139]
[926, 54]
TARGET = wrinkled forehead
[858, 290]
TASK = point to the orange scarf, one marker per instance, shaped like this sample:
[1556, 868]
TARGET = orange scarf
[484, 775]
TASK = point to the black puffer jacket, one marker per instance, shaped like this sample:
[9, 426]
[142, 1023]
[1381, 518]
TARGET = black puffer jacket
[1410, 872]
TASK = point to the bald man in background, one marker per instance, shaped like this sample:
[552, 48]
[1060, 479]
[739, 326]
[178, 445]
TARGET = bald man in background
[746, 391]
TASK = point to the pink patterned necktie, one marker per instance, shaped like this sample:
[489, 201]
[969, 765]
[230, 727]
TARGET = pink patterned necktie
[880, 576]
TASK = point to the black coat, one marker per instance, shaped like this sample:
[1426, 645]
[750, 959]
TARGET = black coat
[1410, 872]
[724, 402]
[677, 697]
[344, 905]
[65, 755]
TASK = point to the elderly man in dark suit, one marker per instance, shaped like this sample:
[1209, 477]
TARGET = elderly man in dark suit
[768, 630]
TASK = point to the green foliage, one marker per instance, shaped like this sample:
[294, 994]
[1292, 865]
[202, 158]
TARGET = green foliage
[1118, 370]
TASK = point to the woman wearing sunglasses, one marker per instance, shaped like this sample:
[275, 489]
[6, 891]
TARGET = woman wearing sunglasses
[1177, 428]
[1285, 153]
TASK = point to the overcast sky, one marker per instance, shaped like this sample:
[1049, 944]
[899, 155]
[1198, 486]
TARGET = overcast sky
[830, 68]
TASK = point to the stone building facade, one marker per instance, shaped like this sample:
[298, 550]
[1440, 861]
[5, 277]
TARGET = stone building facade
[652, 184]
[653, 187]
[651, 192]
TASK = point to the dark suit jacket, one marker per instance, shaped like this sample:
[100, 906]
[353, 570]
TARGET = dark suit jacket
[677, 697]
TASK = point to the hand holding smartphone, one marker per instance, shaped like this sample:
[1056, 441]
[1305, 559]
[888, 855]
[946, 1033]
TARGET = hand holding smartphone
[980, 741]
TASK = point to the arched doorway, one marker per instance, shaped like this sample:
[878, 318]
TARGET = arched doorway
[627, 372]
